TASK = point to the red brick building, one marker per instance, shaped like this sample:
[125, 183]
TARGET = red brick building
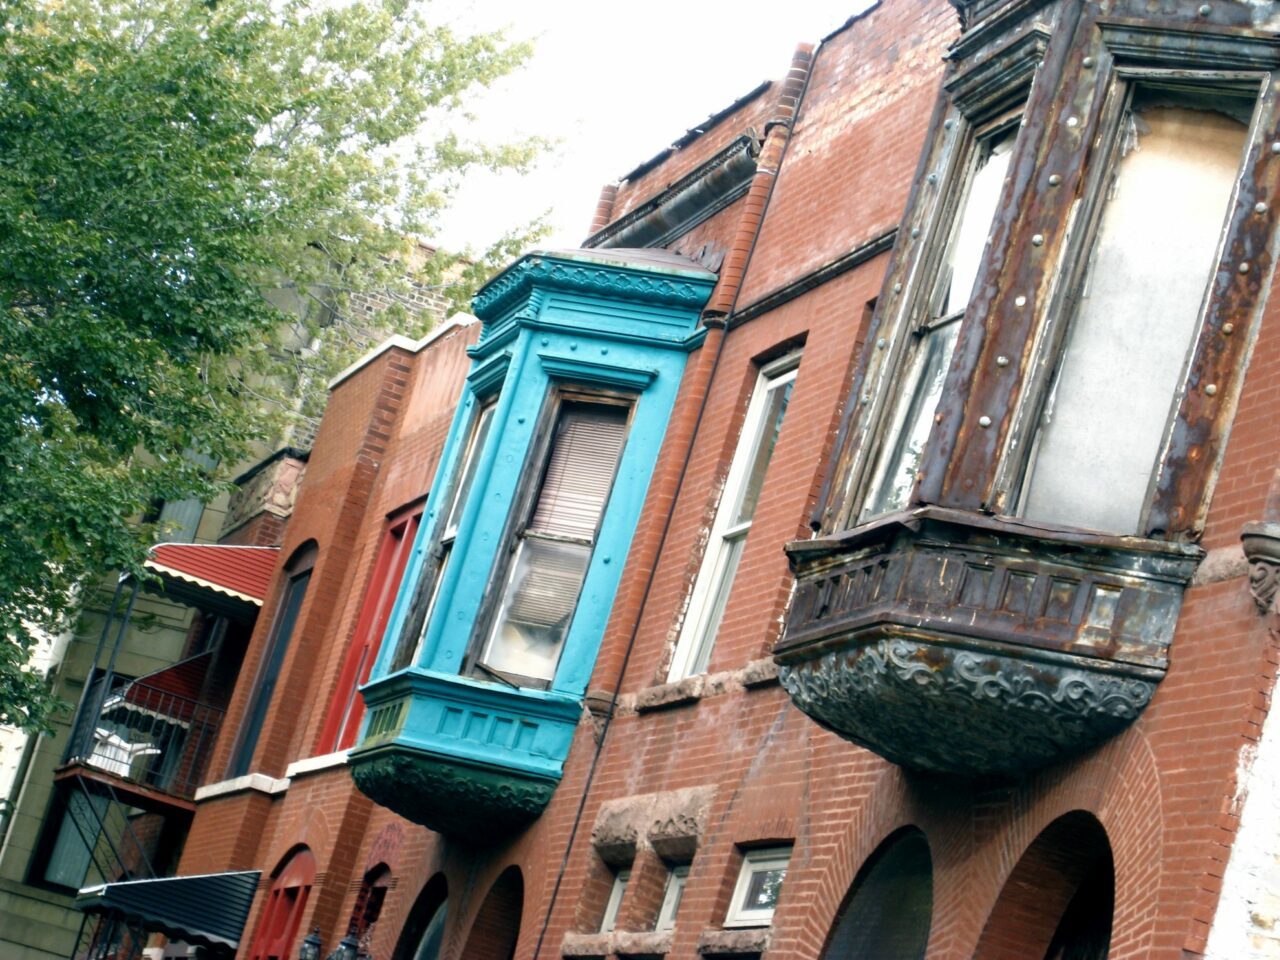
[965, 484]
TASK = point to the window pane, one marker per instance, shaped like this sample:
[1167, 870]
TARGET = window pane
[537, 607]
[726, 569]
[763, 889]
[1137, 316]
[273, 660]
[762, 449]
[911, 422]
[973, 225]
[467, 475]
[580, 470]
[69, 860]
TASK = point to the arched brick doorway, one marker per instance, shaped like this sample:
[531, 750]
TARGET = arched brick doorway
[889, 907]
[1059, 899]
[497, 925]
[422, 936]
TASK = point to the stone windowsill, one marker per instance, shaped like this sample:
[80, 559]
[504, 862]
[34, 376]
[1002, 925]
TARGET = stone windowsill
[326, 761]
[625, 944]
[746, 942]
[757, 673]
[258, 782]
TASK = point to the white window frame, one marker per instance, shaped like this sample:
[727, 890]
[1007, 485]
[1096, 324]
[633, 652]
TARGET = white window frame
[698, 633]
[677, 878]
[755, 862]
[614, 904]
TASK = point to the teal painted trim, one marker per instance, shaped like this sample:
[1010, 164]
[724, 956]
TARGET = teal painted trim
[677, 288]
[483, 724]
[596, 374]
[485, 377]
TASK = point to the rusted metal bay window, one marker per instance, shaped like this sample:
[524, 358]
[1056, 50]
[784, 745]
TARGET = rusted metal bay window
[1030, 451]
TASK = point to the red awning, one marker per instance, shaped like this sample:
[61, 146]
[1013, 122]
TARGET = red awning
[241, 573]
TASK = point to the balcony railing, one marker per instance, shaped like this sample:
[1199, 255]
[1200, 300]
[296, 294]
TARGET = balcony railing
[145, 734]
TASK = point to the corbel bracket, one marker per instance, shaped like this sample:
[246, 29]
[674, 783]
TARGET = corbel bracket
[1261, 542]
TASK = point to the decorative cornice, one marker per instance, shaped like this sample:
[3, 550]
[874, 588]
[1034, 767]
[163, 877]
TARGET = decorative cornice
[689, 201]
[518, 281]
[1261, 541]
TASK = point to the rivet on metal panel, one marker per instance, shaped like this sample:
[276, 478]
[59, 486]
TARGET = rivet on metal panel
[937, 418]
[1275, 147]
[1054, 179]
[1019, 301]
[1073, 122]
[1260, 207]
[545, 341]
[1087, 63]
[866, 398]
[1205, 10]
[1002, 361]
[604, 351]
[881, 343]
[1211, 390]
[897, 288]
[984, 421]
[1243, 268]
[1228, 329]
[948, 124]
[932, 178]
[1037, 240]
[915, 232]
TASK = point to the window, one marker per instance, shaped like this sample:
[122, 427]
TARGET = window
[610, 918]
[1138, 309]
[393, 554]
[410, 644]
[551, 555]
[368, 906]
[759, 436]
[298, 574]
[79, 826]
[671, 897]
[759, 883]
[935, 326]
[277, 933]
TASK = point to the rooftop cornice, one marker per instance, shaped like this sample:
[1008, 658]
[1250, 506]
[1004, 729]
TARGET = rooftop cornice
[647, 282]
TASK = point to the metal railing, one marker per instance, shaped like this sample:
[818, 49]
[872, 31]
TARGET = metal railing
[145, 734]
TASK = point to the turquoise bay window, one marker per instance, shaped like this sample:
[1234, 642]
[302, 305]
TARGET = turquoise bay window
[479, 685]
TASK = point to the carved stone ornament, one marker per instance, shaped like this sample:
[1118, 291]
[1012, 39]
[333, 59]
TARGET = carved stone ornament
[450, 797]
[906, 700]
[1261, 541]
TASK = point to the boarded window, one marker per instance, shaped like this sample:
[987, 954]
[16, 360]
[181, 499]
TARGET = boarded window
[1126, 351]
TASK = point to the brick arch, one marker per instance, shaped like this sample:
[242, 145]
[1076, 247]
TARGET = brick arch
[313, 830]
[1070, 859]
[433, 896]
[1118, 784]
[496, 926]
[887, 913]
[824, 881]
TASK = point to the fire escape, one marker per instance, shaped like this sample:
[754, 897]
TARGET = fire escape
[140, 747]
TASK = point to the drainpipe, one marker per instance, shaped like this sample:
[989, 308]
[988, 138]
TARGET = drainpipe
[697, 388]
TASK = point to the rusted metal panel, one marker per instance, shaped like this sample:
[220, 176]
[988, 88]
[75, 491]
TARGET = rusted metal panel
[980, 394]
[1193, 452]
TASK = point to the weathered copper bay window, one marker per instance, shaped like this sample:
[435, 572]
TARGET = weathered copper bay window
[1031, 443]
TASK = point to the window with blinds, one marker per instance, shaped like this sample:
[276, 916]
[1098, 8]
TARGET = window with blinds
[550, 563]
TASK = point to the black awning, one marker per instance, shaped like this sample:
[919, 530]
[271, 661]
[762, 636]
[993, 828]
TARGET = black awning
[209, 909]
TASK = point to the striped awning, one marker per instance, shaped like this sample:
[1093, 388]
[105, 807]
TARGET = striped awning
[209, 909]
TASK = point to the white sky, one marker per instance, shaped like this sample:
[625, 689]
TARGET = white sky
[615, 83]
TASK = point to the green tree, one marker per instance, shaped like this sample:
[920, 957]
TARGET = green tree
[163, 164]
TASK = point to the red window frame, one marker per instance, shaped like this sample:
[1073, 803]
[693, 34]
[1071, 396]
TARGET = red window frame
[286, 903]
[342, 725]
